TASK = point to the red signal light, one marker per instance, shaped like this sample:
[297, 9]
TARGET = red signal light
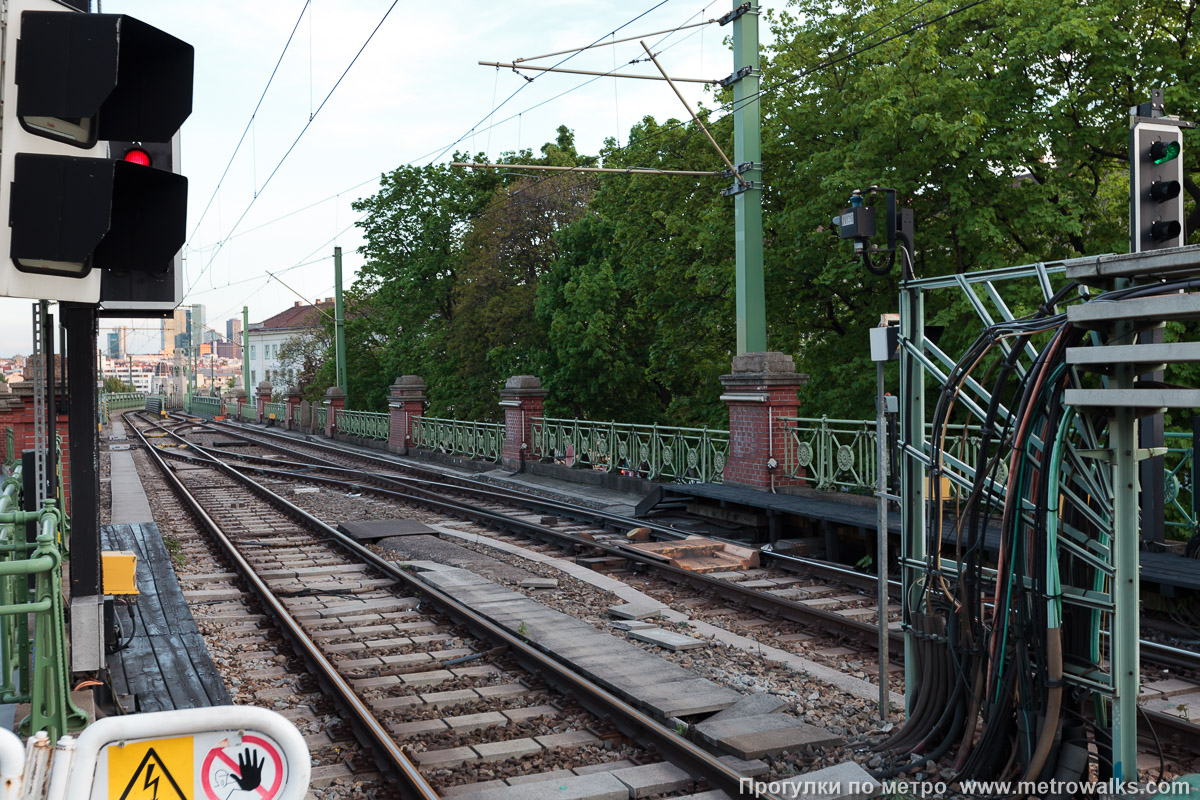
[137, 156]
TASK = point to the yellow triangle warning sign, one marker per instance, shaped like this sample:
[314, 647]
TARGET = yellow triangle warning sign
[159, 769]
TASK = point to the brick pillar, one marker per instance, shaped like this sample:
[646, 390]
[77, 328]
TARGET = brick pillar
[7, 401]
[262, 395]
[290, 403]
[406, 404]
[233, 406]
[761, 389]
[521, 398]
[335, 399]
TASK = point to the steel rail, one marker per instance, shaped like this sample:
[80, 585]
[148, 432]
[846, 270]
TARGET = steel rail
[1159, 653]
[631, 722]
[380, 741]
[828, 621]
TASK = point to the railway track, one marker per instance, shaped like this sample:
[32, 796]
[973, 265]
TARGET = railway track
[810, 594]
[441, 695]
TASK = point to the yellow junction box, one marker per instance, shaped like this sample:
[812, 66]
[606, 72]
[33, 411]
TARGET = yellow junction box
[119, 571]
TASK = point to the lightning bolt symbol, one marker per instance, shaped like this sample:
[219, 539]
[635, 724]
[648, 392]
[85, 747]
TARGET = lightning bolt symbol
[151, 784]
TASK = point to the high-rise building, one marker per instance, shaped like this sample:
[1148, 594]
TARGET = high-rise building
[173, 327]
[118, 342]
[233, 330]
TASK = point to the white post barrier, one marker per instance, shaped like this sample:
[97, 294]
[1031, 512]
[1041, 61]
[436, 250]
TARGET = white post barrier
[205, 749]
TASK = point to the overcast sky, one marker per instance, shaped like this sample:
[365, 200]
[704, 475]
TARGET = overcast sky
[415, 90]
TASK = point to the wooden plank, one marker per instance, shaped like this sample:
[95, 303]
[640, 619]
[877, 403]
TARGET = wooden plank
[206, 671]
[166, 582]
[184, 685]
[145, 679]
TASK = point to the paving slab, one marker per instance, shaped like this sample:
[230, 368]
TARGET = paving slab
[651, 779]
[607, 766]
[128, 501]
[636, 610]
[834, 783]
[751, 705]
[668, 639]
[599, 786]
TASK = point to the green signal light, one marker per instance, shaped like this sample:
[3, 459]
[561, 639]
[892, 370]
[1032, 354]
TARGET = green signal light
[1162, 152]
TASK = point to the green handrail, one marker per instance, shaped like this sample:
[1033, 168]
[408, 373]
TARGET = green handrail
[655, 452]
[273, 408]
[365, 424]
[34, 668]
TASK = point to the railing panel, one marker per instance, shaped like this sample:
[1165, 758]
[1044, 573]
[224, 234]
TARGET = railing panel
[365, 424]
[1179, 482]
[273, 408]
[248, 412]
[320, 417]
[655, 452]
[483, 440]
[205, 406]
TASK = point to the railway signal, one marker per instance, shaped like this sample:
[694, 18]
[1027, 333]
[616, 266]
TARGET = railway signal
[73, 81]
[1156, 218]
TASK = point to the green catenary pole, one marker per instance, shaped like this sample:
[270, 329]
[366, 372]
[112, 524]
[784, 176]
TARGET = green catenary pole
[246, 350]
[747, 203]
[339, 320]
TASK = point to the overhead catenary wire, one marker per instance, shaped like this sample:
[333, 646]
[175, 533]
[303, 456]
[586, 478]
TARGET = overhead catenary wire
[258, 192]
[250, 122]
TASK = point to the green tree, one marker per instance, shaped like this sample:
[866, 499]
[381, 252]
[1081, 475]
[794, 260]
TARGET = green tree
[114, 385]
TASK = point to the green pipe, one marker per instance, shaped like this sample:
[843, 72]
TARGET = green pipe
[29, 566]
[36, 607]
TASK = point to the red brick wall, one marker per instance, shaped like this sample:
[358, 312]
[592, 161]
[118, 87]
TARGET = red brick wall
[518, 425]
[755, 434]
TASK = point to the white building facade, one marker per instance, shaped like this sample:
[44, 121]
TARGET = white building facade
[267, 338]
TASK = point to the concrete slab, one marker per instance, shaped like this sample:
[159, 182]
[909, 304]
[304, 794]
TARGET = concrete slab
[668, 639]
[712, 794]
[751, 705]
[686, 698]
[539, 583]
[600, 786]
[750, 768]
[502, 751]
[128, 501]
[607, 766]
[632, 625]
[636, 610]
[371, 530]
[757, 745]
[651, 779]
[540, 777]
[833, 783]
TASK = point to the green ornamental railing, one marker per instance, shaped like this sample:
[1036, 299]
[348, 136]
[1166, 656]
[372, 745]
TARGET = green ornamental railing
[320, 417]
[296, 415]
[205, 406]
[119, 401]
[840, 453]
[365, 424]
[460, 437]
[277, 409]
[1179, 485]
[10, 447]
[655, 452]
[248, 412]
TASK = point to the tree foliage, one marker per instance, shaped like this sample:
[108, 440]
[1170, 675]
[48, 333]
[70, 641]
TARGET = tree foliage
[1003, 126]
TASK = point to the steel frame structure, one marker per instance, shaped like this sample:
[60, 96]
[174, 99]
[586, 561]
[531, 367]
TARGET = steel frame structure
[1099, 463]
